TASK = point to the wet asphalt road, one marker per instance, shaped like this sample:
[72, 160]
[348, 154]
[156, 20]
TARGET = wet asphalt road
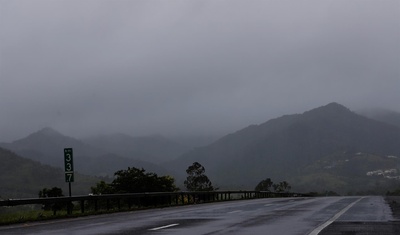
[325, 215]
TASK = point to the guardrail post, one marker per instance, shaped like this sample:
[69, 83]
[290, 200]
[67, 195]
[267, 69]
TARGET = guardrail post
[82, 206]
[69, 207]
[139, 202]
[155, 200]
[95, 205]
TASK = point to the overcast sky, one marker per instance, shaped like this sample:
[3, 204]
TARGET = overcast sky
[171, 67]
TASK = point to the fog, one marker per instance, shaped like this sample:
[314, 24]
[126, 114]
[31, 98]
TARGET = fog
[190, 67]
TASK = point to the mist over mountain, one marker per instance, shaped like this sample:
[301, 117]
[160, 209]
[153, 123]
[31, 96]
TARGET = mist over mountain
[155, 149]
[283, 148]
[383, 115]
[24, 178]
[46, 146]
[326, 148]
[187, 68]
[190, 67]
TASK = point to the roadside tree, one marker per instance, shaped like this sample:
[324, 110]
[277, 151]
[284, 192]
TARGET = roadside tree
[264, 185]
[196, 179]
[134, 180]
[53, 192]
[102, 188]
[282, 187]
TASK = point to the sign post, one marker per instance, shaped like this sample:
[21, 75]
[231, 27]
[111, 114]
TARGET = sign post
[69, 167]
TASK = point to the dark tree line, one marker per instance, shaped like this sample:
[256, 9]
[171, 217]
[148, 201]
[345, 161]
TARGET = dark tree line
[268, 185]
[134, 180]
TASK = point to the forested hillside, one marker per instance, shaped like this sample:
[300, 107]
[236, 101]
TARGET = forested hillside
[285, 148]
[329, 148]
[46, 146]
[24, 178]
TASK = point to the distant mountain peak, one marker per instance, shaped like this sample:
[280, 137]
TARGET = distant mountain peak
[48, 131]
[331, 108]
[334, 106]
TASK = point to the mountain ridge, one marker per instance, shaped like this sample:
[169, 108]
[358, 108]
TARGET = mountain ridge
[292, 147]
[24, 178]
[382, 115]
[280, 148]
[47, 144]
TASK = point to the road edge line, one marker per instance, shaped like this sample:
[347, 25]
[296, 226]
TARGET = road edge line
[317, 230]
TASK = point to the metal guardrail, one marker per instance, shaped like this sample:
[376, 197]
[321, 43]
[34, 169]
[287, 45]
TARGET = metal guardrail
[140, 200]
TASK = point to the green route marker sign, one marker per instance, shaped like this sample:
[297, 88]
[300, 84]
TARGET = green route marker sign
[68, 165]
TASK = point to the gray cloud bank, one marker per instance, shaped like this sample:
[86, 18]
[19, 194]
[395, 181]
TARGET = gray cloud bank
[181, 67]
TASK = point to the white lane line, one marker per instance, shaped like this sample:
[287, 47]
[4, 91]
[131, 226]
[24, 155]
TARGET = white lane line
[331, 220]
[163, 227]
[232, 212]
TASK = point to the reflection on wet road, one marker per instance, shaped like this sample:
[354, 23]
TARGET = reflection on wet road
[259, 216]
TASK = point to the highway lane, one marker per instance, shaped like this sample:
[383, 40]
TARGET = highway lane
[260, 216]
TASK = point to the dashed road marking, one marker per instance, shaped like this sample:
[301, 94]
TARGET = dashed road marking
[232, 212]
[163, 227]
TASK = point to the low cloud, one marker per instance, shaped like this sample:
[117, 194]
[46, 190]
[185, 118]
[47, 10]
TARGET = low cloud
[190, 67]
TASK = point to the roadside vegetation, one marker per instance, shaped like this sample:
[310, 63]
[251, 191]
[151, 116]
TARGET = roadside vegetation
[197, 180]
[269, 186]
[130, 180]
[23, 214]
[134, 180]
